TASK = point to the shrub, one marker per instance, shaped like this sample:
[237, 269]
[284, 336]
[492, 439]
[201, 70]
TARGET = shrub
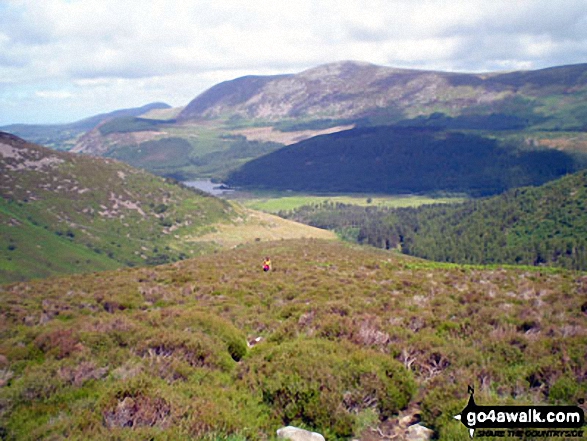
[60, 343]
[195, 348]
[564, 390]
[38, 382]
[135, 404]
[326, 385]
[216, 327]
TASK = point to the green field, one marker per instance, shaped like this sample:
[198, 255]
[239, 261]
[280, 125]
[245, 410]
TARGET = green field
[276, 202]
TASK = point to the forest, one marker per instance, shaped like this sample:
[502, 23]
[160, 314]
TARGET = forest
[403, 160]
[544, 225]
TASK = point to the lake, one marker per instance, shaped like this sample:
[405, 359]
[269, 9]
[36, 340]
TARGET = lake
[208, 186]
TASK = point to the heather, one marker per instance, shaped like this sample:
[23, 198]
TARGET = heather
[350, 336]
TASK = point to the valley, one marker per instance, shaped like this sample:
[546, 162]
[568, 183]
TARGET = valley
[426, 231]
[67, 213]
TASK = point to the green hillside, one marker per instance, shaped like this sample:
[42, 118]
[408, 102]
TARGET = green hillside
[350, 339]
[188, 154]
[61, 212]
[544, 225]
[403, 160]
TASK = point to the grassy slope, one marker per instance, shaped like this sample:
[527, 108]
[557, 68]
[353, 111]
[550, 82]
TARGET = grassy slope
[255, 226]
[80, 213]
[150, 353]
[28, 250]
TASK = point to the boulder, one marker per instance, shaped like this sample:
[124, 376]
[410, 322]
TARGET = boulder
[418, 432]
[296, 434]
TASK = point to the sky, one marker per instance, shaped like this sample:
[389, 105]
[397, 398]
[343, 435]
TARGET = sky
[64, 60]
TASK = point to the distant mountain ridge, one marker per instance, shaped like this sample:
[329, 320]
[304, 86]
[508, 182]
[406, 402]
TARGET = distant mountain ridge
[237, 121]
[351, 89]
[59, 135]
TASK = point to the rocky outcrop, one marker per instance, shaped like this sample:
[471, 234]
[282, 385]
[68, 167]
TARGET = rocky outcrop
[296, 434]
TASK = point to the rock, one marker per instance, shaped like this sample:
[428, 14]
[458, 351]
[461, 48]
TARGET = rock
[418, 432]
[295, 434]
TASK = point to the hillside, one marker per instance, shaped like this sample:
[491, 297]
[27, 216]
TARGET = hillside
[61, 212]
[240, 120]
[65, 136]
[544, 225]
[537, 226]
[67, 213]
[349, 337]
[550, 98]
[403, 160]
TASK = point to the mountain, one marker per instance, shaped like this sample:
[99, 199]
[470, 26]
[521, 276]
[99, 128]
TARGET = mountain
[352, 90]
[523, 110]
[352, 342]
[61, 212]
[538, 226]
[239, 120]
[402, 160]
[64, 136]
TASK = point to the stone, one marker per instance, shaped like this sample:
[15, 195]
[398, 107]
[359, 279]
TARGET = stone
[417, 432]
[296, 434]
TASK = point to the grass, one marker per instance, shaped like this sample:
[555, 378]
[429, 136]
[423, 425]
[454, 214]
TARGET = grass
[87, 214]
[254, 226]
[350, 336]
[276, 202]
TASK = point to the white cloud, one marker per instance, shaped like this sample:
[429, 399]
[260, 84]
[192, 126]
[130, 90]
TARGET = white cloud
[172, 51]
[54, 94]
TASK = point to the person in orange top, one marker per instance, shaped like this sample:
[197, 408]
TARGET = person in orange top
[267, 264]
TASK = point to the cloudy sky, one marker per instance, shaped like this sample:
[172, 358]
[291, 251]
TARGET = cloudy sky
[63, 60]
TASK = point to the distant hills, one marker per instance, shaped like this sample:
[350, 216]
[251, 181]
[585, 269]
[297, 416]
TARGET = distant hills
[384, 95]
[238, 121]
[64, 136]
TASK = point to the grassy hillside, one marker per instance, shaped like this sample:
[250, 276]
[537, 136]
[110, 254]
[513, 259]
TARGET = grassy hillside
[167, 149]
[408, 160]
[350, 337]
[68, 213]
[544, 225]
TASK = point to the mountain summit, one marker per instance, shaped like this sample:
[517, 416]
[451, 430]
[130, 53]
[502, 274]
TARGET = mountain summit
[351, 89]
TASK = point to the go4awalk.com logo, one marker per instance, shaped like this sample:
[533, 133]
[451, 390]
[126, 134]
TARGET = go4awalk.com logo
[522, 420]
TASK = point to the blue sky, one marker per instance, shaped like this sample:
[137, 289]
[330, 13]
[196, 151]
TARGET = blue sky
[61, 61]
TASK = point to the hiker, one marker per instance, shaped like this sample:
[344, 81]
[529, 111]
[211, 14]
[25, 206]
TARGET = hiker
[267, 264]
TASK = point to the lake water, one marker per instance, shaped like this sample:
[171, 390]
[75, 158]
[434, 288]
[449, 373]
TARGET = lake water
[208, 186]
